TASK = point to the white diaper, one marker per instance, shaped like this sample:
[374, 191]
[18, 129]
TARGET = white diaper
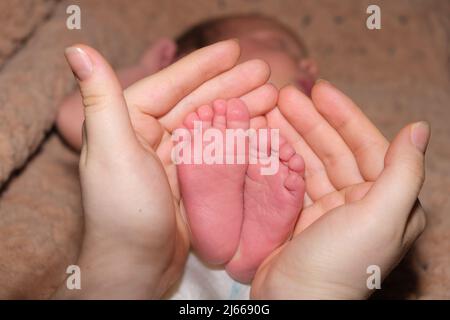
[201, 281]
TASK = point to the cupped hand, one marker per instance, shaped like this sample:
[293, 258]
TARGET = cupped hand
[361, 209]
[136, 241]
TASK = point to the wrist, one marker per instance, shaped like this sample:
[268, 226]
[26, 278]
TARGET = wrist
[117, 274]
[275, 285]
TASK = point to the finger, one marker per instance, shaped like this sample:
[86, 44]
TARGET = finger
[261, 100]
[366, 142]
[326, 143]
[165, 155]
[83, 151]
[149, 130]
[415, 224]
[316, 178]
[259, 122]
[107, 124]
[397, 188]
[234, 83]
[157, 94]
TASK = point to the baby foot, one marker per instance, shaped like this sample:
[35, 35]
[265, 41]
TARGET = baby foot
[213, 193]
[272, 204]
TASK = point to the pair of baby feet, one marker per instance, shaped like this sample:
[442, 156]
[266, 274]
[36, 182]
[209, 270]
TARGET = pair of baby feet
[236, 215]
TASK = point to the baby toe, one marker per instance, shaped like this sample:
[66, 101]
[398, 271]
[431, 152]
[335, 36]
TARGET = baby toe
[205, 114]
[294, 182]
[237, 114]
[297, 164]
[286, 151]
[219, 120]
[190, 119]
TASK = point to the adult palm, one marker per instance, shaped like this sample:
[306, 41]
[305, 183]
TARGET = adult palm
[129, 184]
[361, 206]
[159, 103]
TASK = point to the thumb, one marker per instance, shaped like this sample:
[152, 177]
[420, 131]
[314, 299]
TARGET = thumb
[107, 124]
[399, 184]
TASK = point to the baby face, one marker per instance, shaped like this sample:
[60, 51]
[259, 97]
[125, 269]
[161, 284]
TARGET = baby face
[266, 40]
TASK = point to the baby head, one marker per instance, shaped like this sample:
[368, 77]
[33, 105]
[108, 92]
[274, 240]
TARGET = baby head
[260, 38]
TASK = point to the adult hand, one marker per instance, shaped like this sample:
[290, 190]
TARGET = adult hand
[361, 207]
[136, 241]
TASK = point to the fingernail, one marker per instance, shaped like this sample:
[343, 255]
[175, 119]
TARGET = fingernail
[420, 135]
[79, 62]
[321, 81]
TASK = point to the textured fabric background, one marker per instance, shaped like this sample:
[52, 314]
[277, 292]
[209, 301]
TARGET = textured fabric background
[398, 74]
[19, 19]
